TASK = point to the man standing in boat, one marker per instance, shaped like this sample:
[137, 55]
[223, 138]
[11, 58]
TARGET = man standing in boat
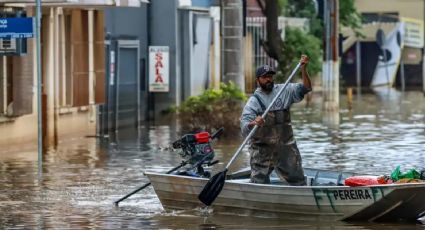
[273, 146]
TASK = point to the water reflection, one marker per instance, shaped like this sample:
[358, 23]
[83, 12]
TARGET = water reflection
[83, 176]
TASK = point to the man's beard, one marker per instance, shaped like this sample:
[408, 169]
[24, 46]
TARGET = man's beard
[268, 87]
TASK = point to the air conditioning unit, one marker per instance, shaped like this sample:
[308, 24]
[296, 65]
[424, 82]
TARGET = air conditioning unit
[7, 45]
[13, 46]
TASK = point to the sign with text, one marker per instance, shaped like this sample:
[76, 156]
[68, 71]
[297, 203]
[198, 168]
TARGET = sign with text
[159, 68]
[16, 28]
[413, 32]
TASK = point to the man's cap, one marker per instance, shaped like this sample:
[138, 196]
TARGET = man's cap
[264, 70]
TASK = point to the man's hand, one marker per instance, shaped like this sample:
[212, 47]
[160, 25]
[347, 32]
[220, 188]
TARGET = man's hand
[304, 74]
[257, 121]
[304, 60]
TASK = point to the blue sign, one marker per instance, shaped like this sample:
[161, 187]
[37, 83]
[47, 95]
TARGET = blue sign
[16, 28]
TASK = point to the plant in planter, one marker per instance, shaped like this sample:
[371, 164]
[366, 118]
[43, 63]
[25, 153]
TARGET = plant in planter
[213, 109]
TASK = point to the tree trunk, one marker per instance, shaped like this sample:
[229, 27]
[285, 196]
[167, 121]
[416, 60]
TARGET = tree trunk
[273, 46]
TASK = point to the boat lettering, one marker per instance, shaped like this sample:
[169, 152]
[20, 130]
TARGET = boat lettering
[354, 194]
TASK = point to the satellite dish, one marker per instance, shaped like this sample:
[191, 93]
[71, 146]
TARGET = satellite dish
[380, 37]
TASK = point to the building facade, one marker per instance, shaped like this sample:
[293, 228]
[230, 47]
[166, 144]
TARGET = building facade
[73, 73]
[95, 66]
[385, 15]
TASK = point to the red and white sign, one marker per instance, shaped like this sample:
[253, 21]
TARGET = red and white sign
[159, 68]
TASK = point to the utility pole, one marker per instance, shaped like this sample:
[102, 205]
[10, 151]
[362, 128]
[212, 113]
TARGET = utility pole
[423, 58]
[233, 45]
[39, 109]
[330, 80]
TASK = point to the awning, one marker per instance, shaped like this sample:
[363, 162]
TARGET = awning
[368, 30]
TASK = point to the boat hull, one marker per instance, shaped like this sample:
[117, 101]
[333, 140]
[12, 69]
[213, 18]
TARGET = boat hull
[324, 203]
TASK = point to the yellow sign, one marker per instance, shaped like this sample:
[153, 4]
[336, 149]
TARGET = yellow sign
[413, 32]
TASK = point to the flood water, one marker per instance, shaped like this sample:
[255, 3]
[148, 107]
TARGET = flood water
[83, 176]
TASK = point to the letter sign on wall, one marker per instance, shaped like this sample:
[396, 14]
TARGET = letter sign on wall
[159, 69]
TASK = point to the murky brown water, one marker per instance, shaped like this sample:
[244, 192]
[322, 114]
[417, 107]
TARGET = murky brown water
[82, 177]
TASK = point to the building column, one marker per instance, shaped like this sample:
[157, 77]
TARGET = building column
[92, 106]
[233, 40]
[57, 12]
[49, 44]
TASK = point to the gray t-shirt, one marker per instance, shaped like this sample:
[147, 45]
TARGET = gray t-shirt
[293, 93]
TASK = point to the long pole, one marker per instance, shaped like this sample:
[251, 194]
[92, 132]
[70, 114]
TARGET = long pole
[39, 109]
[252, 132]
[214, 186]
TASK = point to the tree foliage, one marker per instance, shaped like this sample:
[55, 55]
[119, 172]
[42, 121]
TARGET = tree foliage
[348, 15]
[298, 42]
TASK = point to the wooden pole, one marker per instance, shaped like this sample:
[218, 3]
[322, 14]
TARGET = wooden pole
[350, 98]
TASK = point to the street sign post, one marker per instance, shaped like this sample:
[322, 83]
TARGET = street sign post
[38, 16]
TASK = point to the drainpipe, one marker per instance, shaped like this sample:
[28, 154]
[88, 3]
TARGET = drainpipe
[4, 63]
[91, 66]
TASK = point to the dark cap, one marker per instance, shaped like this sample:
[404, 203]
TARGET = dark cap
[264, 70]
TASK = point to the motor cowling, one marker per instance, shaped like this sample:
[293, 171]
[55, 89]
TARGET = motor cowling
[195, 147]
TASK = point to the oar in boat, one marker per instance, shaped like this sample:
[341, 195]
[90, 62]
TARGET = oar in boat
[183, 163]
[147, 184]
[214, 186]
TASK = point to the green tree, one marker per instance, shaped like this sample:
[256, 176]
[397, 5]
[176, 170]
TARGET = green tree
[298, 42]
[348, 15]
[285, 53]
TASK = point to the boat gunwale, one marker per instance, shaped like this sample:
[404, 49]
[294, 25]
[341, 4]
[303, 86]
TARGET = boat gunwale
[235, 181]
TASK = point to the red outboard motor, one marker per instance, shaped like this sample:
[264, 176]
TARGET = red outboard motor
[196, 149]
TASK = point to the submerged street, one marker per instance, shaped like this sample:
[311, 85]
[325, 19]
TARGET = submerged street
[84, 176]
